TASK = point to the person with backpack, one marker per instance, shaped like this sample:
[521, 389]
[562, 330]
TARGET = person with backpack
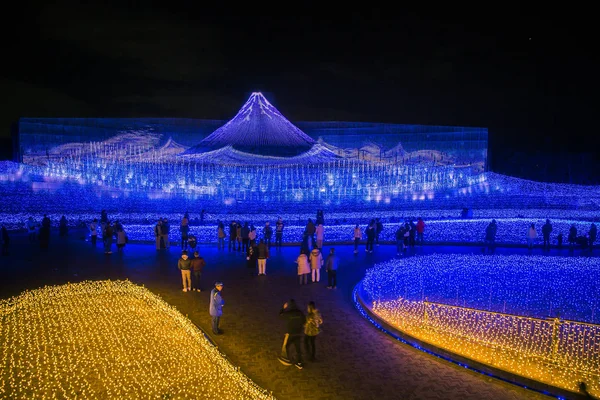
[312, 327]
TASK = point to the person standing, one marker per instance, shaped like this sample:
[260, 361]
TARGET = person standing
[185, 266]
[245, 236]
[316, 262]
[320, 235]
[165, 232]
[251, 258]
[232, 234]
[312, 327]
[216, 307]
[107, 238]
[531, 236]
[593, 233]
[371, 231]
[303, 268]
[490, 236]
[221, 236]
[31, 228]
[378, 230]
[158, 234]
[197, 266]
[295, 321]
[546, 230]
[357, 238]
[331, 265]
[184, 228]
[94, 231]
[263, 255]
[420, 229]
[268, 233]
[279, 232]
[121, 238]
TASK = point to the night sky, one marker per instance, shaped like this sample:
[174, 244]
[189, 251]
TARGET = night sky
[525, 75]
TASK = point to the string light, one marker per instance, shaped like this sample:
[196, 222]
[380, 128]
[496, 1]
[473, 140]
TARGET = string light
[503, 311]
[109, 339]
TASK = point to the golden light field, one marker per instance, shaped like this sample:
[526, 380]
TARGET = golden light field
[109, 340]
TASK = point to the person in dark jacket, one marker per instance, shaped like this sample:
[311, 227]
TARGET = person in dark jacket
[295, 321]
[262, 254]
[197, 265]
[592, 235]
[268, 233]
[185, 266]
[490, 236]
[546, 230]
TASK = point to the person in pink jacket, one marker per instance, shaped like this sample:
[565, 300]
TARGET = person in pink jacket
[316, 262]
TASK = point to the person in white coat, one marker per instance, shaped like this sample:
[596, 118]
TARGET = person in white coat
[316, 262]
[320, 232]
[531, 236]
[303, 268]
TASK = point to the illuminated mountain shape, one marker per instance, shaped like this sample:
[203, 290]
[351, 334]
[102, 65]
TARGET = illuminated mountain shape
[258, 128]
[229, 156]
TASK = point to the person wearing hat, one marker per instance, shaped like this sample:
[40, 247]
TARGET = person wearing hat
[216, 307]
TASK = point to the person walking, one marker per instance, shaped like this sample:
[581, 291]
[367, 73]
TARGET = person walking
[262, 255]
[197, 265]
[316, 262]
[295, 321]
[331, 265]
[185, 266]
[312, 327]
[216, 307]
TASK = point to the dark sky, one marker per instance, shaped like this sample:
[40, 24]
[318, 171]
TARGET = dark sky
[525, 74]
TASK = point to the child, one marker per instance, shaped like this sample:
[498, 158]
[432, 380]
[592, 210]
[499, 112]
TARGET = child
[192, 242]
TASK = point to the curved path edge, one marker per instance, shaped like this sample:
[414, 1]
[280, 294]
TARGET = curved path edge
[362, 304]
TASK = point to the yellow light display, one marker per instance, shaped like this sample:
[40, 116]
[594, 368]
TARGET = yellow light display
[556, 352]
[109, 340]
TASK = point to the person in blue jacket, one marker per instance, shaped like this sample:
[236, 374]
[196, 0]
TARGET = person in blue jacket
[216, 307]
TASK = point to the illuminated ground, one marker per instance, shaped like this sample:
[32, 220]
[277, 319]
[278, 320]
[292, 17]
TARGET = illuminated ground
[347, 348]
[109, 339]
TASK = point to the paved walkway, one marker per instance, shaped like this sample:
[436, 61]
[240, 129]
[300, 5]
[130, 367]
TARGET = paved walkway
[355, 360]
